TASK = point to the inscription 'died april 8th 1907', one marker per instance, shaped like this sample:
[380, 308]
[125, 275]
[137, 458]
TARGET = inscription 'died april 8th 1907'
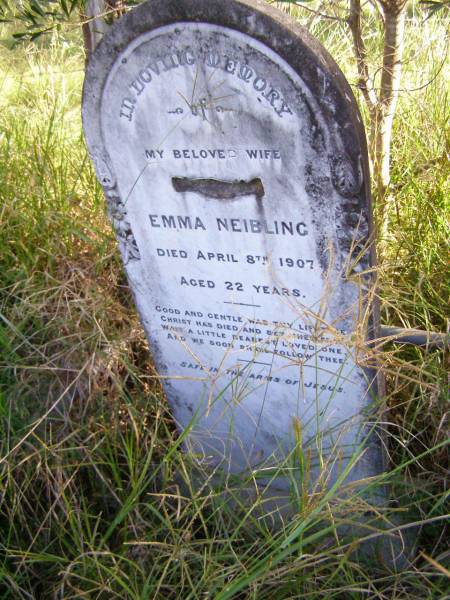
[235, 182]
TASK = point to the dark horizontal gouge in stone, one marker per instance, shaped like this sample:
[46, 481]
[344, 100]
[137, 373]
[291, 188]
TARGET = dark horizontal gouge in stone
[219, 190]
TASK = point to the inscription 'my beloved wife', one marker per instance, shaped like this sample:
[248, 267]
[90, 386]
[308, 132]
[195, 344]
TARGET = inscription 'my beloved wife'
[222, 153]
[187, 57]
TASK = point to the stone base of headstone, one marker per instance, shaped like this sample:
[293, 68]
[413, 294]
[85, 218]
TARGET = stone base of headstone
[371, 533]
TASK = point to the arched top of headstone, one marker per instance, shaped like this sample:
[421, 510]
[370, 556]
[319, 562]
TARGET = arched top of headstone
[325, 87]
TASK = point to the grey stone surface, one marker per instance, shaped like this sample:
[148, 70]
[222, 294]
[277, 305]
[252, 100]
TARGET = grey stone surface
[234, 163]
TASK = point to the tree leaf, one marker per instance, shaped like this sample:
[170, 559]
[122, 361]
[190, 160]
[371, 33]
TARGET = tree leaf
[36, 7]
[65, 8]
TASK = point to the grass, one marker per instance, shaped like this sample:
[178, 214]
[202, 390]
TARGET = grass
[96, 496]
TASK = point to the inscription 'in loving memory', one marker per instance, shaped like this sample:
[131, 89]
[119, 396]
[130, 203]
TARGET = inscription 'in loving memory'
[213, 60]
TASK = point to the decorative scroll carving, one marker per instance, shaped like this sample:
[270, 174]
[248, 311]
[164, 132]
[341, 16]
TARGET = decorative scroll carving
[347, 179]
[117, 209]
[125, 236]
[104, 173]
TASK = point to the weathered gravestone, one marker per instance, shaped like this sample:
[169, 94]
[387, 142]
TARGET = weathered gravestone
[232, 155]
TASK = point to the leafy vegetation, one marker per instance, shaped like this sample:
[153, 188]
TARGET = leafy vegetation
[96, 497]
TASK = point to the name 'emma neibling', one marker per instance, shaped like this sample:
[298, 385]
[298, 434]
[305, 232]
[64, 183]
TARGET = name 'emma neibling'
[232, 225]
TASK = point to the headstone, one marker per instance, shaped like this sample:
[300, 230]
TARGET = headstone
[233, 159]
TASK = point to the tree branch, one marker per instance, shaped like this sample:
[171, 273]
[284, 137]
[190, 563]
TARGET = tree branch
[394, 12]
[364, 80]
